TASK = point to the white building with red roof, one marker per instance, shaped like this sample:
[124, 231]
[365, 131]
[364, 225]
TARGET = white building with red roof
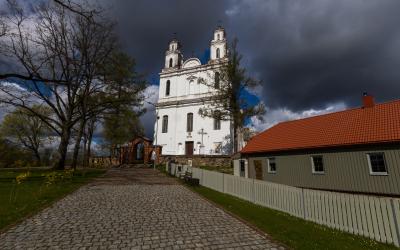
[356, 150]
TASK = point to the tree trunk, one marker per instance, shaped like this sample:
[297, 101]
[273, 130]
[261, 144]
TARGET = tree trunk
[37, 156]
[235, 139]
[89, 141]
[62, 149]
[88, 152]
[85, 139]
[78, 143]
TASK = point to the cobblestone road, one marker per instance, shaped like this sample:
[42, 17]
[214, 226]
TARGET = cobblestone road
[133, 209]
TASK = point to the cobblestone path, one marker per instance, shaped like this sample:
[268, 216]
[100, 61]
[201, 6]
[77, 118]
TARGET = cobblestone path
[133, 209]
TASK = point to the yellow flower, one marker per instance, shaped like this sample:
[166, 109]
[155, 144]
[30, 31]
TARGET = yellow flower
[21, 177]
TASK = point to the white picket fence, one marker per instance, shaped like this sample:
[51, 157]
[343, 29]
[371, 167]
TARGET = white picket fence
[374, 217]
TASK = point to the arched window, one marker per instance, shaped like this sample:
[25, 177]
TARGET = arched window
[217, 120]
[189, 122]
[216, 80]
[170, 62]
[167, 88]
[217, 52]
[218, 37]
[165, 124]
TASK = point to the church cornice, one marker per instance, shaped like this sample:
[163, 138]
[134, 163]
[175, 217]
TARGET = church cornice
[200, 100]
[213, 64]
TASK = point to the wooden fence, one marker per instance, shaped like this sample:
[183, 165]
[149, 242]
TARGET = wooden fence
[374, 217]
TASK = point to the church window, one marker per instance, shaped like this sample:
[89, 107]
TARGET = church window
[217, 121]
[216, 80]
[217, 52]
[170, 62]
[218, 37]
[168, 88]
[165, 124]
[189, 122]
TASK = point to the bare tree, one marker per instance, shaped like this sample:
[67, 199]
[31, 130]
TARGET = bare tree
[59, 58]
[227, 101]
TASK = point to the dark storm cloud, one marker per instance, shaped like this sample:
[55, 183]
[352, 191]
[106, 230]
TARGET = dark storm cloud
[313, 53]
[147, 26]
[308, 53]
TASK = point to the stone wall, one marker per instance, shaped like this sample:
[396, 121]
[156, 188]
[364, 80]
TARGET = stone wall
[102, 162]
[199, 160]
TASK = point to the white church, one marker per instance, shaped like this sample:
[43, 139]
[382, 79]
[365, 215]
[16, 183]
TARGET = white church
[179, 127]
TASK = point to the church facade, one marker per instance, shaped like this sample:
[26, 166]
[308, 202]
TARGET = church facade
[185, 87]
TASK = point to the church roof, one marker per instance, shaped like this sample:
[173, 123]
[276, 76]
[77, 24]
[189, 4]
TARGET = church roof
[375, 124]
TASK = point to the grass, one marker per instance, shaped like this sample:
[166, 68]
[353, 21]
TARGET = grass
[294, 232]
[40, 189]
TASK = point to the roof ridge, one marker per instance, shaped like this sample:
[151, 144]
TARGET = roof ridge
[374, 125]
[335, 112]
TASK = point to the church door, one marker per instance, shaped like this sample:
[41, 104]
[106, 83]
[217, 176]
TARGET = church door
[139, 151]
[189, 148]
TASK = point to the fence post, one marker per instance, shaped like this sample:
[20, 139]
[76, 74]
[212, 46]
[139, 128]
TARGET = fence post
[396, 224]
[223, 183]
[303, 203]
[202, 177]
[254, 193]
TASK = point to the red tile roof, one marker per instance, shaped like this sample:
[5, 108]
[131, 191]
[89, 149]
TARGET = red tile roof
[377, 124]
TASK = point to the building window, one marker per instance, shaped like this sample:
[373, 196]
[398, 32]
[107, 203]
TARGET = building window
[217, 53]
[271, 165]
[189, 122]
[218, 147]
[377, 164]
[217, 36]
[170, 62]
[168, 88]
[165, 124]
[317, 164]
[216, 80]
[217, 120]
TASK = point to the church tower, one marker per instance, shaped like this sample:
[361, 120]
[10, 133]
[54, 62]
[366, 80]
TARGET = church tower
[218, 48]
[183, 91]
[173, 56]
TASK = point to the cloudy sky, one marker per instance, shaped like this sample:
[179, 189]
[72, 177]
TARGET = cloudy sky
[312, 56]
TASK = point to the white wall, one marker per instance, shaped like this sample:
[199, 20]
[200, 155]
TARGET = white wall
[185, 84]
[177, 131]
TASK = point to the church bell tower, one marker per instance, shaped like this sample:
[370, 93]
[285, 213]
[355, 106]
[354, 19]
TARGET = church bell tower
[173, 56]
[218, 48]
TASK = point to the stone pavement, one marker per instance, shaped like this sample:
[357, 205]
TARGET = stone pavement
[133, 209]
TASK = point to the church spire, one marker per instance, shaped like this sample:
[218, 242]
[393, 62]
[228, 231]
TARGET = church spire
[218, 44]
[173, 55]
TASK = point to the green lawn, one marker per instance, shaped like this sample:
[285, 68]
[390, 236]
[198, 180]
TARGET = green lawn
[38, 190]
[294, 232]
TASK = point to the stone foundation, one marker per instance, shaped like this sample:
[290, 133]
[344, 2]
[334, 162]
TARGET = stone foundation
[199, 160]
